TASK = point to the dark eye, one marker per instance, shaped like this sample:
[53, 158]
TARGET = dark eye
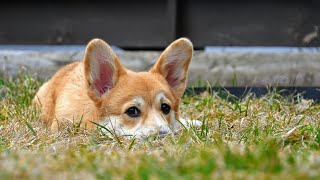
[133, 112]
[165, 108]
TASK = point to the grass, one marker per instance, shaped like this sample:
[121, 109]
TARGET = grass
[271, 137]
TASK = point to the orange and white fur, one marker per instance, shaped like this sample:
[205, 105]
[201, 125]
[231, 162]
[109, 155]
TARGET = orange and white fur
[99, 89]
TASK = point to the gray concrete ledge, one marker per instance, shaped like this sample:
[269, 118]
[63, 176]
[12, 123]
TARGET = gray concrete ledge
[228, 68]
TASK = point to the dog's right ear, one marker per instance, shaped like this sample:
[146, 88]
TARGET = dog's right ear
[102, 68]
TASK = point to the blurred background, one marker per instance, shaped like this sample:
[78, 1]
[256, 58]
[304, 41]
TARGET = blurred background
[143, 24]
[237, 43]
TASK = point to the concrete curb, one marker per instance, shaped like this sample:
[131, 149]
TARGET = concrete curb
[243, 68]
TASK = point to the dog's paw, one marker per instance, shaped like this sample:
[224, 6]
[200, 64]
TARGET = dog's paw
[190, 123]
[186, 123]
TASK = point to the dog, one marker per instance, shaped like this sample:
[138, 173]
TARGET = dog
[100, 91]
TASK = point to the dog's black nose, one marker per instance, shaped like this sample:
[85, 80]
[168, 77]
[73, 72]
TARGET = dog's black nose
[163, 132]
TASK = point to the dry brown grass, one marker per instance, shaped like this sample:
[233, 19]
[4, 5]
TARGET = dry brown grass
[270, 137]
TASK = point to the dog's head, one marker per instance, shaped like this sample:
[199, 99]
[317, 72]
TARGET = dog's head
[137, 103]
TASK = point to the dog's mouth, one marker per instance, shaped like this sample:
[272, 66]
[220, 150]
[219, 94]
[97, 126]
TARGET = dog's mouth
[145, 134]
[154, 136]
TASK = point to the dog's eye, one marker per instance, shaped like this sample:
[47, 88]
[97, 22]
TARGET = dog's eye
[165, 108]
[133, 112]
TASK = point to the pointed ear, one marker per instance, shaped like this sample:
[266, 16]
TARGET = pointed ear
[173, 64]
[102, 68]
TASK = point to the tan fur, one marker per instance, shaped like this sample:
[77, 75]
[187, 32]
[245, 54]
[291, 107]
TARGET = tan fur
[70, 95]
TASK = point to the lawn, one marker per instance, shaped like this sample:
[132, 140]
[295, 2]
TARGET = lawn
[270, 137]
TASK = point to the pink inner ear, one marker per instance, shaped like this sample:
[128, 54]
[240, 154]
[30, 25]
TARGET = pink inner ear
[104, 82]
[173, 74]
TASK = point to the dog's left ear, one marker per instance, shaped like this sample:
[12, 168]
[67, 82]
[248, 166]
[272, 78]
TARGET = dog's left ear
[173, 64]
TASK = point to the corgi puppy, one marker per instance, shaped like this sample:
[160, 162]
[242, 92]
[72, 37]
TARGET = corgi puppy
[99, 90]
